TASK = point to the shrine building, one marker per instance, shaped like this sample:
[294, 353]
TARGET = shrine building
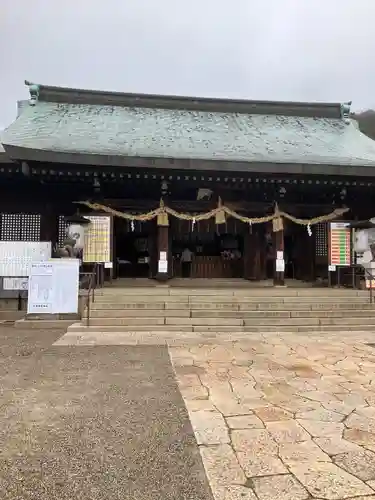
[121, 156]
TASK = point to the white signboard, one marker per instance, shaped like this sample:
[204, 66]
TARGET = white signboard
[280, 265]
[15, 283]
[163, 266]
[16, 256]
[339, 225]
[53, 287]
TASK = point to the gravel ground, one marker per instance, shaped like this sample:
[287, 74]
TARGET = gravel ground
[92, 423]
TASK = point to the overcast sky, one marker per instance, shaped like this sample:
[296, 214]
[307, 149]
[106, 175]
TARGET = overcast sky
[315, 50]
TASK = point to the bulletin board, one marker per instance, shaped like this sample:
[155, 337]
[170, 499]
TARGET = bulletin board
[340, 239]
[98, 239]
[16, 256]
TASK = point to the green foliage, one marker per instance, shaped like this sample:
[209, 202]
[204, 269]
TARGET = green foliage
[366, 120]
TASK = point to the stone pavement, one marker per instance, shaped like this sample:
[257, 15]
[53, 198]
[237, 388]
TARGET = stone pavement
[276, 416]
[283, 417]
[93, 423]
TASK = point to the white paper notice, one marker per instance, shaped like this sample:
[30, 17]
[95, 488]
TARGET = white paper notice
[280, 255]
[163, 266]
[53, 287]
[65, 286]
[108, 265]
[40, 298]
[280, 265]
[331, 268]
[163, 255]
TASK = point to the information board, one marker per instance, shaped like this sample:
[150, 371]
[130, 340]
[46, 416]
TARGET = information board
[53, 287]
[340, 244]
[17, 256]
[16, 283]
[98, 239]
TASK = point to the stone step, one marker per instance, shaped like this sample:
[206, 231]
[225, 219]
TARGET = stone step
[256, 292]
[227, 332]
[143, 305]
[81, 327]
[94, 337]
[140, 313]
[173, 304]
[251, 291]
[344, 322]
[150, 321]
[307, 305]
[230, 290]
[232, 306]
[281, 314]
[232, 322]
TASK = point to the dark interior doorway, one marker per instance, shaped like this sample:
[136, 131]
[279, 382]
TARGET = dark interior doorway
[215, 252]
[135, 248]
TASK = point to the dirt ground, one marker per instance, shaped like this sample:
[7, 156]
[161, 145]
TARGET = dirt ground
[103, 422]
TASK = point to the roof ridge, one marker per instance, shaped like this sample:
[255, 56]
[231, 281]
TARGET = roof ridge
[211, 104]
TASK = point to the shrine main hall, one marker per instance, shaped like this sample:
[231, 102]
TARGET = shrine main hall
[233, 184]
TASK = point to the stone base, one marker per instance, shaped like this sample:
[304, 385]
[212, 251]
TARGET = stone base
[162, 277]
[52, 317]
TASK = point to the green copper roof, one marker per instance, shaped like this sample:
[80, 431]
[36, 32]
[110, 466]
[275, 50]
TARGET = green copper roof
[135, 128]
[3, 156]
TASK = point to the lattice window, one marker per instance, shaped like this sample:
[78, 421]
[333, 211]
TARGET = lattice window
[321, 239]
[20, 227]
[62, 225]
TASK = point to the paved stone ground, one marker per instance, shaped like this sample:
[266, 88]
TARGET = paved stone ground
[286, 417]
[276, 416]
[105, 422]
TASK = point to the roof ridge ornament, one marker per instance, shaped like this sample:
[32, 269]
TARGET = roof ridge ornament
[34, 92]
[345, 111]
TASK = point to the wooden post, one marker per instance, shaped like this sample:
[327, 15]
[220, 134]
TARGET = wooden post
[278, 238]
[162, 253]
[49, 225]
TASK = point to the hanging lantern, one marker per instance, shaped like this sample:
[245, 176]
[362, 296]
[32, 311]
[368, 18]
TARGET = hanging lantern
[76, 229]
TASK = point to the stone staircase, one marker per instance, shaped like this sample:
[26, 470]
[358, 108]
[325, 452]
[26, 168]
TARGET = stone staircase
[229, 309]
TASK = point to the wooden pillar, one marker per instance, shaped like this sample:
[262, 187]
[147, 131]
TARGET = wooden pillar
[251, 256]
[49, 225]
[163, 253]
[278, 238]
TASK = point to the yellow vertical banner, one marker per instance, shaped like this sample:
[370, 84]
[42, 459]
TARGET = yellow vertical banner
[98, 239]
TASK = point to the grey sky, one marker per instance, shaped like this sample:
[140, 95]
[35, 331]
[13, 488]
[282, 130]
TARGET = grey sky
[257, 49]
